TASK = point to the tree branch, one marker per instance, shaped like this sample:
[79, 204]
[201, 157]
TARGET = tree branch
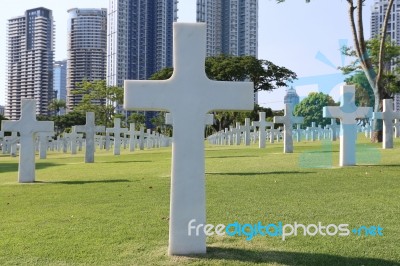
[382, 47]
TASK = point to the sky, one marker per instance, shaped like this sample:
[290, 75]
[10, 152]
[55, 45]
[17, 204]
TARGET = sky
[304, 38]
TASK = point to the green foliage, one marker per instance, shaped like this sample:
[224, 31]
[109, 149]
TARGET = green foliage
[364, 92]
[390, 81]
[225, 119]
[311, 108]
[99, 98]
[138, 118]
[159, 122]
[264, 74]
[2, 117]
[56, 105]
[63, 122]
[163, 74]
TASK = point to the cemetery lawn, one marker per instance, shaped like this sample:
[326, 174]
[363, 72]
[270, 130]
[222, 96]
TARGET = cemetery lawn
[115, 211]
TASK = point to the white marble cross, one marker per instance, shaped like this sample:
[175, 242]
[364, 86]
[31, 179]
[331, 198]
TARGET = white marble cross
[73, 138]
[347, 112]
[333, 128]
[262, 124]
[396, 126]
[312, 129]
[188, 95]
[246, 130]
[117, 131]
[288, 120]
[44, 143]
[27, 126]
[132, 136]
[388, 115]
[90, 129]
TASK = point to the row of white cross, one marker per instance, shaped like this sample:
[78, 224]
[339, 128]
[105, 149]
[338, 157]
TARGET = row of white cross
[189, 95]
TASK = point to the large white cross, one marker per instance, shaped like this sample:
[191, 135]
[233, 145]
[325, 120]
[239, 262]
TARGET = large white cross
[288, 120]
[90, 129]
[27, 126]
[388, 115]
[347, 112]
[188, 95]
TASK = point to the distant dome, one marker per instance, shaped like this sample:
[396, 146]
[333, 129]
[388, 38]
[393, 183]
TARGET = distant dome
[291, 97]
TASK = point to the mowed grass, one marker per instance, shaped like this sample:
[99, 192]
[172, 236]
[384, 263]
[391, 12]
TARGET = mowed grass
[115, 211]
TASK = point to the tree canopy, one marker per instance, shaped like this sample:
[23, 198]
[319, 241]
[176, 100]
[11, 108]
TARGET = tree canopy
[311, 108]
[265, 75]
[99, 98]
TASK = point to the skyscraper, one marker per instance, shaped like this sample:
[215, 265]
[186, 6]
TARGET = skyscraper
[393, 29]
[232, 26]
[30, 50]
[87, 49]
[139, 38]
[60, 81]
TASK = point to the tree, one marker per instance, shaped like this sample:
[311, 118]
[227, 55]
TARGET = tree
[63, 122]
[99, 98]
[265, 75]
[364, 94]
[2, 117]
[375, 75]
[138, 118]
[56, 105]
[311, 108]
[159, 122]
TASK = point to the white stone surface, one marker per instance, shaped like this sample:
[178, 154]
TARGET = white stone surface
[347, 112]
[43, 143]
[27, 126]
[188, 95]
[388, 115]
[288, 120]
[333, 128]
[117, 131]
[90, 130]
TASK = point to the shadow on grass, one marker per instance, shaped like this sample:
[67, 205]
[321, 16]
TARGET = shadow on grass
[82, 182]
[13, 167]
[233, 156]
[263, 173]
[287, 257]
[127, 162]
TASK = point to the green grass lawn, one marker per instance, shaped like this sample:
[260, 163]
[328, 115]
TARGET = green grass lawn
[115, 211]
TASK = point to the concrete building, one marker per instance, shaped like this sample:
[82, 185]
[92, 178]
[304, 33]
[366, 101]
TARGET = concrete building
[232, 26]
[87, 49]
[2, 110]
[30, 50]
[139, 38]
[60, 81]
[393, 29]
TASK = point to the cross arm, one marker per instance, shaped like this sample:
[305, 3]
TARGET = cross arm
[148, 95]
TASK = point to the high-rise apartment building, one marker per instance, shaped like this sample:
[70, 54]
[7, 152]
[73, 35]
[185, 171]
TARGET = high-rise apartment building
[393, 29]
[232, 26]
[87, 49]
[60, 81]
[139, 38]
[30, 50]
